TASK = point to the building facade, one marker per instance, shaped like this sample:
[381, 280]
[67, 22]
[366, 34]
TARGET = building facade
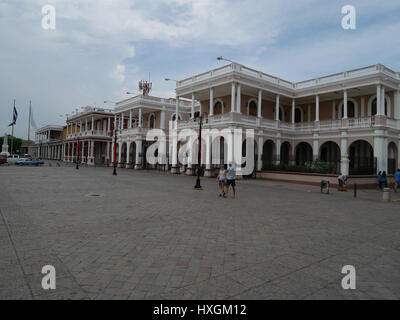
[135, 117]
[350, 119]
[48, 143]
[88, 136]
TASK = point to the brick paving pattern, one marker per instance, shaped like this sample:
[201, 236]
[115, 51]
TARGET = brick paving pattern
[151, 236]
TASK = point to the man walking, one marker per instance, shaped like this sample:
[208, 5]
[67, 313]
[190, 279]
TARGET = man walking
[231, 179]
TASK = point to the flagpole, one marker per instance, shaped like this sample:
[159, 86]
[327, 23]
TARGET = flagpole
[29, 123]
[12, 132]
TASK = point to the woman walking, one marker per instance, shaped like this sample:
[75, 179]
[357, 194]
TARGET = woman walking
[221, 181]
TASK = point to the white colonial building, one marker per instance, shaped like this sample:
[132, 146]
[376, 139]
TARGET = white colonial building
[48, 143]
[350, 119]
[136, 116]
[88, 136]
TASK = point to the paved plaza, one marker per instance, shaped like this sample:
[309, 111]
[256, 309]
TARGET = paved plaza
[149, 235]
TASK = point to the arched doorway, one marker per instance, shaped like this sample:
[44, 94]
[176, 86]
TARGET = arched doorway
[392, 158]
[132, 153]
[285, 153]
[361, 156]
[268, 153]
[304, 154]
[330, 153]
[123, 154]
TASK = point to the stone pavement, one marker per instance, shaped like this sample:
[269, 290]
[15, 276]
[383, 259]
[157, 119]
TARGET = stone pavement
[145, 235]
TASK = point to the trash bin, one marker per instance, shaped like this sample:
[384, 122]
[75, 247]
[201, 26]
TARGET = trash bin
[386, 195]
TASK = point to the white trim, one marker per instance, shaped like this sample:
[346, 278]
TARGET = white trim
[148, 120]
[302, 113]
[389, 105]
[222, 104]
[248, 105]
[179, 116]
[355, 108]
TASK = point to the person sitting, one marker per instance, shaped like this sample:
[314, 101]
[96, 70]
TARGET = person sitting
[342, 181]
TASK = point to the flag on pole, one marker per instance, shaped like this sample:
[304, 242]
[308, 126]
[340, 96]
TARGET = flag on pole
[15, 117]
[33, 123]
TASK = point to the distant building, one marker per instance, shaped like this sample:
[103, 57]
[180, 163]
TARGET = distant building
[48, 143]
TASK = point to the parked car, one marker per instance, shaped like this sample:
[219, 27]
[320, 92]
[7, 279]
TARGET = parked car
[13, 158]
[31, 162]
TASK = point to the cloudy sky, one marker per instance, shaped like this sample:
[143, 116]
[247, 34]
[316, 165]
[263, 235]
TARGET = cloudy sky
[102, 48]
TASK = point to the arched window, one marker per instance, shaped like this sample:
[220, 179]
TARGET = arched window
[252, 111]
[174, 117]
[374, 107]
[152, 121]
[218, 107]
[350, 109]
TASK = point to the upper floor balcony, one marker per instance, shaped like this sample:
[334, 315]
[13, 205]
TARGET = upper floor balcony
[101, 134]
[252, 122]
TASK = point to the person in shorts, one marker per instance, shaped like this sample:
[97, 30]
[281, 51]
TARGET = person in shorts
[231, 179]
[221, 181]
[397, 180]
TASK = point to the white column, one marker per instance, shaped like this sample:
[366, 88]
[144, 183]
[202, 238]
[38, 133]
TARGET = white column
[259, 155]
[317, 108]
[108, 151]
[119, 152]
[83, 152]
[211, 101]
[192, 110]
[278, 151]
[277, 107]
[315, 148]
[293, 110]
[128, 146]
[140, 117]
[380, 150]
[130, 119]
[238, 101]
[383, 103]
[138, 151]
[333, 110]
[378, 100]
[92, 124]
[122, 121]
[208, 151]
[362, 107]
[177, 109]
[108, 125]
[397, 107]
[233, 94]
[162, 119]
[345, 112]
[259, 104]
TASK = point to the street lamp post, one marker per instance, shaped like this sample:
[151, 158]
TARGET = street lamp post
[115, 148]
[198, 185]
